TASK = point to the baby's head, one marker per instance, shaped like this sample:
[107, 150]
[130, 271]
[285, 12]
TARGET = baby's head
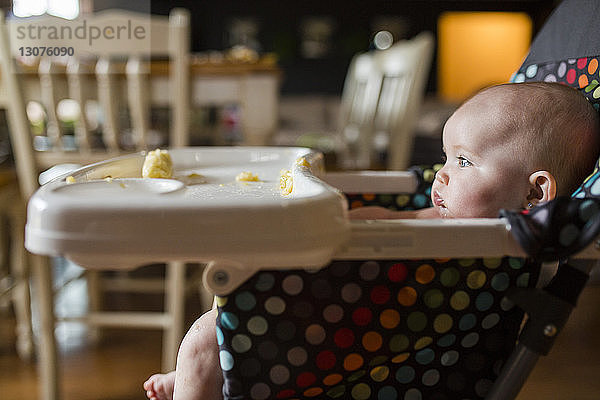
[513, 146]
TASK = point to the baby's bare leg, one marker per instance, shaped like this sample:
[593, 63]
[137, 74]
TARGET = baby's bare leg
[198, 374]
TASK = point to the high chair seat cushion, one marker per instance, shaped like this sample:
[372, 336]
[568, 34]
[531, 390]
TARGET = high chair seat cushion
[385, 329]
[420, 198]
[557, 229]
[581, 73]
[570, 32]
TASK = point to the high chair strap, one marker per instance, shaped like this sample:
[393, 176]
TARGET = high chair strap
[557, 229]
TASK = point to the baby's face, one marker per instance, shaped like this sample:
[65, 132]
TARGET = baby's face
[481, 174]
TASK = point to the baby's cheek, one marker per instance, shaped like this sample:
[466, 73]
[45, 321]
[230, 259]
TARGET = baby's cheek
[483, 204]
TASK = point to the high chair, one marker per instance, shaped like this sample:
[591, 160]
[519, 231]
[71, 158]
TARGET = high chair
[381, 98]
[116, 75]
[312, 305]
[417, 309]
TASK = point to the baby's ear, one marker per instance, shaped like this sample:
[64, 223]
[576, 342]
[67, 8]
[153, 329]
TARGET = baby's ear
[543, 187]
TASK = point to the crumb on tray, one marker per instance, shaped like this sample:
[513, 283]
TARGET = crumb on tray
[247, 177]
[157, 164]
[301, 161]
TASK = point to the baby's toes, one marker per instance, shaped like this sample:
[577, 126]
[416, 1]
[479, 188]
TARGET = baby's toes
[150, 388]
[151, 395]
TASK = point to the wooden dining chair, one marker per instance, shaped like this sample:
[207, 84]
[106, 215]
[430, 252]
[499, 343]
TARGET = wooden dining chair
[382, 94]
[14, 276]
[116, 74]
[357, 111]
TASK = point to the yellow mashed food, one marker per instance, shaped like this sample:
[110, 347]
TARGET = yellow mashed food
[285, 182]
[247, 177]
[158, 164]
[302, 162]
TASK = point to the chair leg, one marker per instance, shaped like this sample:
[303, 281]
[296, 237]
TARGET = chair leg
[174, 307]
[5, 273]
[94, 292]
[21, 295]
[47, 349]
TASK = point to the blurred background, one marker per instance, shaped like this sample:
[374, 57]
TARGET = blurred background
[307, 46]
[315, 40]
[477, 43]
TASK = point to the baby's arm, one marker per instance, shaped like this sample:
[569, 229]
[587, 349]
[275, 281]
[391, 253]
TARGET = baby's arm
[376, 212]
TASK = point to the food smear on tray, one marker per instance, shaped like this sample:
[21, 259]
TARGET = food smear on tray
[302, 162]
[247, 176]
[285, 182]
[158, 164]
[70, 179]
[192, 178]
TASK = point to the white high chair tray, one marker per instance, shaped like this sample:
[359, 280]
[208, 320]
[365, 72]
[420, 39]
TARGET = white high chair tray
[239, 227]
[110, 217]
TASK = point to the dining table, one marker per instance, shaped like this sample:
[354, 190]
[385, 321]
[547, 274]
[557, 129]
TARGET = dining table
[253, 86]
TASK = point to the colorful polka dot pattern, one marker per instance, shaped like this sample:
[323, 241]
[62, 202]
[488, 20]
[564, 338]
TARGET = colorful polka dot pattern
[591, 186]
[416, 329]
[421, 198]
[557, 229]
[580, 73]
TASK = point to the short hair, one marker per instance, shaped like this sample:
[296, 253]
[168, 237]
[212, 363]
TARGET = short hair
[561, 123]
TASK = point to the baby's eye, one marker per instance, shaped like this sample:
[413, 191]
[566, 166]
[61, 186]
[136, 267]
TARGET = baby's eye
[463, 162]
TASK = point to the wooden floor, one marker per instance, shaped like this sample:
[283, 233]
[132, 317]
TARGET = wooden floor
[115, 368]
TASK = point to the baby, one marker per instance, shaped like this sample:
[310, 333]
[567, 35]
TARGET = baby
[509, 146]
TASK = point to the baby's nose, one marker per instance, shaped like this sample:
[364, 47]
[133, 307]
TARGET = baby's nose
[441, 176]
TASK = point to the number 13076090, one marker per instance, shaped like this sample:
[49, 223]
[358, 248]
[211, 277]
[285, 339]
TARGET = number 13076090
[40, 51]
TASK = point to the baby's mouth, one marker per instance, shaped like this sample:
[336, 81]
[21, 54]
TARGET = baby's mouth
[438, 201]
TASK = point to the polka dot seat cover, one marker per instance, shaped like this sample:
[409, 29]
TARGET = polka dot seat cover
[581, 73]
[420, 329]
[421, 198]
[365, 329]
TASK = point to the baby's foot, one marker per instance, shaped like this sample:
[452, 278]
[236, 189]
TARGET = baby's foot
[160, 386]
